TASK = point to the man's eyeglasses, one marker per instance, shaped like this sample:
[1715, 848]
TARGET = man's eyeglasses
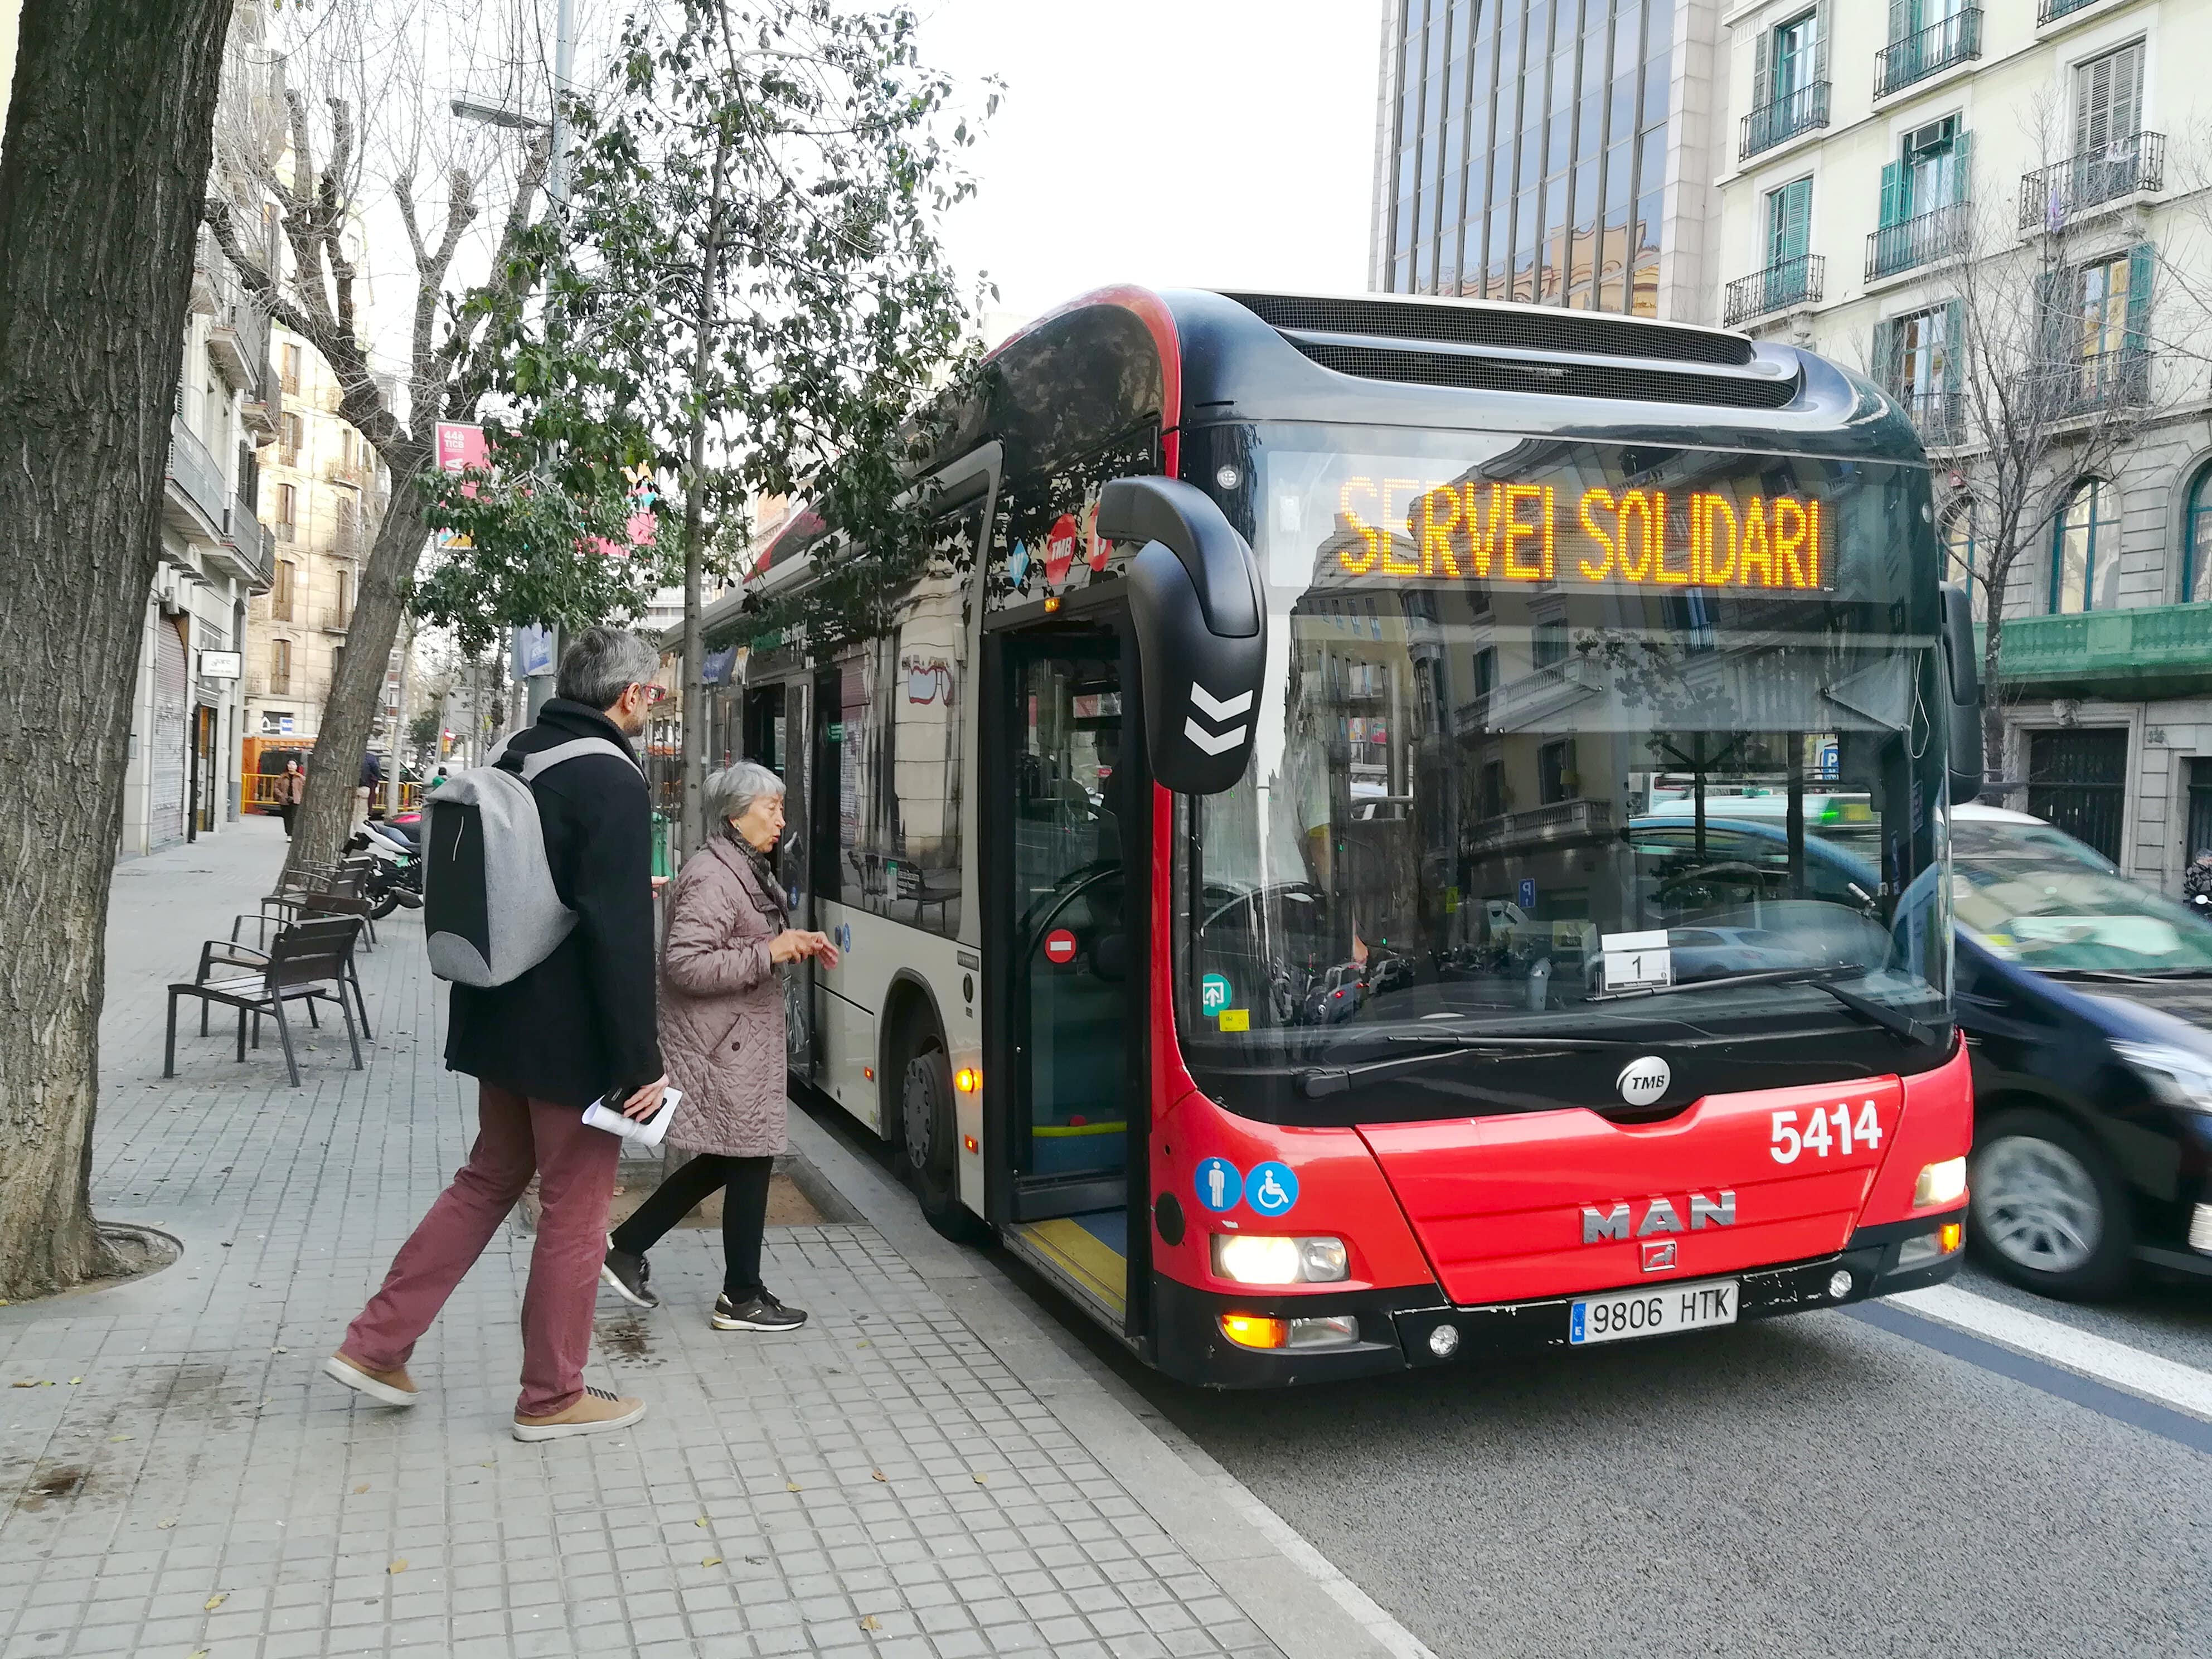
[652, 693]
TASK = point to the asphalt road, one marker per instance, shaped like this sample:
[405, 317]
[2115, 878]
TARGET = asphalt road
[1820, 1484]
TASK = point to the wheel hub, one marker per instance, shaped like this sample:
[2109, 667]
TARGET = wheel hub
[919, 1121]
[2037, 1204]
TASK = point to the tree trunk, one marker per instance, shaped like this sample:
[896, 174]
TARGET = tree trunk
[1993, 722]
[102, 173]
[319, 833]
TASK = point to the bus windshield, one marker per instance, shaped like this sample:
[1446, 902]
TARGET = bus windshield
[1516, 685]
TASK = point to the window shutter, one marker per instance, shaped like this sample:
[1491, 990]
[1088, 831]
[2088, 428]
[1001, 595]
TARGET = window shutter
[1902, 22]
[2135, 360]
[2127, 92]
[1954, 346]
[1819, 43]
[1893, 208]
[1762, 73]
[1882, 364]
[1962, 170]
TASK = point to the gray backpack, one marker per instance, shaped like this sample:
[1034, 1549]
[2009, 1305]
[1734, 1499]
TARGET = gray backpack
[489, 907]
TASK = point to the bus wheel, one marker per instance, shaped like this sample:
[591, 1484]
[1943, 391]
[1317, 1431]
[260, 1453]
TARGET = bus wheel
[929, 1134]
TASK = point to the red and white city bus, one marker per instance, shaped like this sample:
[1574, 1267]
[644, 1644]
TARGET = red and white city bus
[1242, 847]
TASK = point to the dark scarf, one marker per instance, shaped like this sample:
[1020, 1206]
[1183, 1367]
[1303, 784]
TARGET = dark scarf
[763, 869]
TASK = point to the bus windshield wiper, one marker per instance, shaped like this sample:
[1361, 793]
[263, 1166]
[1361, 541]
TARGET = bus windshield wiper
[1898, 1024]
[1315, 1081]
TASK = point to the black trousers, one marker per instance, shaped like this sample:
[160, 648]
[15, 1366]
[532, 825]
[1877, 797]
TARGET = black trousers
[743, 1184]
[287, 812]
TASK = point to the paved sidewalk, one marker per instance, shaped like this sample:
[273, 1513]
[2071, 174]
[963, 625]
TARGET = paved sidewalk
[178, 1480]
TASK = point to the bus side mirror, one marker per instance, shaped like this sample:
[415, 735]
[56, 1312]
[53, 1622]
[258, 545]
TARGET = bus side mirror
[1963, 678]
[1201, 619]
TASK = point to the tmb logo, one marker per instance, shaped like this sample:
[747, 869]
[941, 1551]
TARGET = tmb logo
[1659, 1215]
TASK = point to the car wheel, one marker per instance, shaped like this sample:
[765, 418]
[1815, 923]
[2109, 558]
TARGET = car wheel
[2047, 1210]
[928, 1135]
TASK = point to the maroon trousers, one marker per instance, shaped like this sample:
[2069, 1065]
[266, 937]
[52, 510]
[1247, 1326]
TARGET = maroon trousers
[516, 1137]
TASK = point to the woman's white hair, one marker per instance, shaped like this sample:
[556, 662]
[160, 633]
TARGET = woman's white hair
[730, 792]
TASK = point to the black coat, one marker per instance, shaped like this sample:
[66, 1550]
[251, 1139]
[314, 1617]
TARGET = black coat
[581, 1022]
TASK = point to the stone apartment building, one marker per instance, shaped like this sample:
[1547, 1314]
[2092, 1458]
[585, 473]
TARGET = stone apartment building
[323, 492]
[1894, 164]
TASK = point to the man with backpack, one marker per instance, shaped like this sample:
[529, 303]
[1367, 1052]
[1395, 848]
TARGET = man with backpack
[539, 909]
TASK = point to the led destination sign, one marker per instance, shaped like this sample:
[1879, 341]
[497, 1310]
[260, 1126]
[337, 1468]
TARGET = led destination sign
[1500, 531]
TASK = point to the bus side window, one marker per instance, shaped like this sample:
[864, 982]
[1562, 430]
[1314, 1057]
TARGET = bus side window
[928, 708]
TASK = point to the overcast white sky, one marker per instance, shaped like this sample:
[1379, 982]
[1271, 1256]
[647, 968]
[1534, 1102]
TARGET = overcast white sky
[1171, 143]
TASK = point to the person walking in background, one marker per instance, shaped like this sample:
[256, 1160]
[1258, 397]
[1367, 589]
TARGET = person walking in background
[364, 794]
[2196, 879]
[721, 1028]
[291, 790]
[574, 1029]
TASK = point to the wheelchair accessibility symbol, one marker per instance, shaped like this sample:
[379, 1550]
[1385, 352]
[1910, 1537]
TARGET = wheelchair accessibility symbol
[1271, 1189]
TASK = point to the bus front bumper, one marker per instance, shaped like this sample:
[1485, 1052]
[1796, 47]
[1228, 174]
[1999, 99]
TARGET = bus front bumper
[1397, 1327]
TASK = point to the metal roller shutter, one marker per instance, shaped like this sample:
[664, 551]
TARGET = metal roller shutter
[165, 756]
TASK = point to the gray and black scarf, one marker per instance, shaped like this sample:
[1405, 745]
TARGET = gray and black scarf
[763, 869]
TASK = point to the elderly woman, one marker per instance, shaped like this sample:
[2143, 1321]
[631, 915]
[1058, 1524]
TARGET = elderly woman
[722, 1035]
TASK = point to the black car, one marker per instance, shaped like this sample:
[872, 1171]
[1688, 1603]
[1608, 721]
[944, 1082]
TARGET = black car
[2086, 1001]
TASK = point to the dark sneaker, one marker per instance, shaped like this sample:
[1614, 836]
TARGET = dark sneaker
[759, 1312]
[628, 1274]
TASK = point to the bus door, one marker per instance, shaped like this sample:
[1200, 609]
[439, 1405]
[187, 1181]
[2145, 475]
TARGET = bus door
[1068, 931]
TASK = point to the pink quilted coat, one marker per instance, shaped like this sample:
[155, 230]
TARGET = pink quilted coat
[721, 1009]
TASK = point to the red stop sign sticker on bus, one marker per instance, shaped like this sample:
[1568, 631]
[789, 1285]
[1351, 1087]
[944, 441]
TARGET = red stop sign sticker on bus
[1059, 947]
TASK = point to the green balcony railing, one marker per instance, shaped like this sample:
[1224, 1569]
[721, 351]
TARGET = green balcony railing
[2159, 650]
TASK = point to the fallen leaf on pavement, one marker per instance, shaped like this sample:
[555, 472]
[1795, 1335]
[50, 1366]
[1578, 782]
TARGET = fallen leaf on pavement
[979, 1479]
[74, 1381]
[163, 1526]
[791, 1485]
[26, 1384]
[280, 1351]
[360, 1489]
[400, 1566]
[879, 1475]
[112, 1439]
[701, 1522]
[869, 1621]
[217, 1600]
[712, 1561]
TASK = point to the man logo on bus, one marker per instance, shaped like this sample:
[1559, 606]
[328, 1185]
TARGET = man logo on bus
[1660, 1216]
[1219, 1185]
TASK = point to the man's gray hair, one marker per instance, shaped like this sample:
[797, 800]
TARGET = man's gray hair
[730, 792]
[602, 664]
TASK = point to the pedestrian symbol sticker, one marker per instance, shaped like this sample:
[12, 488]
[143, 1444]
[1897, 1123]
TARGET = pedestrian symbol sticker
[1059, 947]
[1218, 1184]
[1213, 994]
[1271, 1189]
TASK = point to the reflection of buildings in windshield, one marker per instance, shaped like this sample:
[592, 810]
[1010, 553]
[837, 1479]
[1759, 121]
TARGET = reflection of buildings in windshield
[1462, 764]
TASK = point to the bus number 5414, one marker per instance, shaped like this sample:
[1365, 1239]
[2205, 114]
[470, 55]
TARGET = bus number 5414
[1790, 1140]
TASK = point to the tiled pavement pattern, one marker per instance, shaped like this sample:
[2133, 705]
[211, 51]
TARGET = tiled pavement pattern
[180, 1481]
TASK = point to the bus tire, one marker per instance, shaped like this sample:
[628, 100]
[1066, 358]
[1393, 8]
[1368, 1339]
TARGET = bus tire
[929, 1133]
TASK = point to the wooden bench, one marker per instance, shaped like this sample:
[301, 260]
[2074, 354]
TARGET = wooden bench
[305, 961]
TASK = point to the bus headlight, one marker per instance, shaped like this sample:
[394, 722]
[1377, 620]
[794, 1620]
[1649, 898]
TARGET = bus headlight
[1940, 1183]
[1258, 1259]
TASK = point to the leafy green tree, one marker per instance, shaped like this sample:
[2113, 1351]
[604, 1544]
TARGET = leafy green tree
[749, 297]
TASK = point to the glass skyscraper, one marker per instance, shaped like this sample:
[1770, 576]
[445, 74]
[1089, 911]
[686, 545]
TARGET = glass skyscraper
[1536, 150]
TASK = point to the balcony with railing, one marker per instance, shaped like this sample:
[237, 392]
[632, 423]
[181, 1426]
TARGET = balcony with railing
[1954, 39]
[1922, 240]
[2102, 380]
[1786, 117]
[2133, 165]
[196, 501]
[1576, 820]
[2050, 11]
[1939, 416]
[247, 546]
[1789, 283]
[2156, 651]
[335, 618]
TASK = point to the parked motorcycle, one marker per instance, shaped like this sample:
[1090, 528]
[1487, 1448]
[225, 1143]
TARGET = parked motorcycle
[396, 876]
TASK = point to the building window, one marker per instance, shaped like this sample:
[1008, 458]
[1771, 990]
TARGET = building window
[291, 370]
[2085, 554]
[287, 512]
[280, 593]
[1790, 85]
[1958, 555]
[2108, 102]
[1913, 357]
[2197, 540]
[1555, 772]
[1490, 796]
[1547, 644]
[280, 666]
[293, 436]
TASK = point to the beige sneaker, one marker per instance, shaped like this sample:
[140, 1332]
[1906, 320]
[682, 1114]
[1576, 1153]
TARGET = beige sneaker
[596, 1411]
[391, 1387]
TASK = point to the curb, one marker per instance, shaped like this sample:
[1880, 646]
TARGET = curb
[1280, 1582]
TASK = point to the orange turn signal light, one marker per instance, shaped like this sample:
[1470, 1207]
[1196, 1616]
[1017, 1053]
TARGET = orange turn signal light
[970, 1142]
[869, 1072]
[1951, 1234]
[1051, 605]
[966, 1079]
[1252, 1331]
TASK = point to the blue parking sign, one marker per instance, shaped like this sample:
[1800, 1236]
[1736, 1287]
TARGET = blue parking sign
[1528, 894]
